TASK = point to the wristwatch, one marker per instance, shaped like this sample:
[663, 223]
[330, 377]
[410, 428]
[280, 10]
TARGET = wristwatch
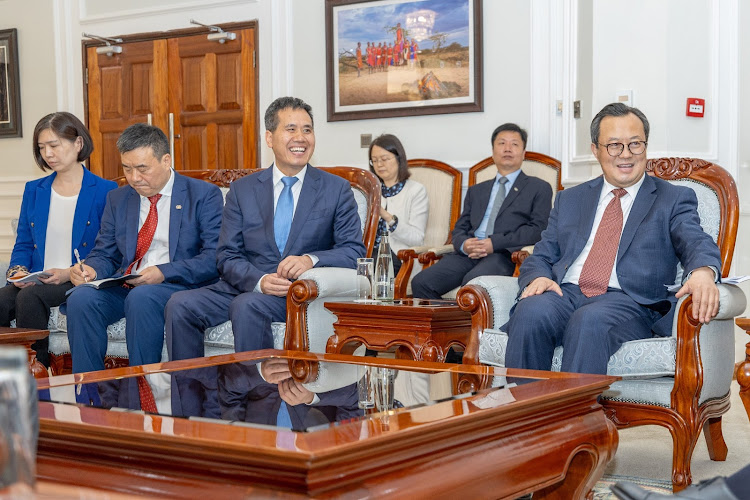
[393, 222]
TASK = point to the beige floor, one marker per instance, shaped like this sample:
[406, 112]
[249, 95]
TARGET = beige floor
[647, 451]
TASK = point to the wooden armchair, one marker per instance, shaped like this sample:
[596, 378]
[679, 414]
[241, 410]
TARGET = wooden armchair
[535, 164]
[680, 382]
[443, 185]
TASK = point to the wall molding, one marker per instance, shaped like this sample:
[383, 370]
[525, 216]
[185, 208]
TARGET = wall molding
[152, 11]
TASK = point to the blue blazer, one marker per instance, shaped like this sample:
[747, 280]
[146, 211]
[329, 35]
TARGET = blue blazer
[32, 223]
[325, 224]
[194, 220]
[663, 228]
[520, 221]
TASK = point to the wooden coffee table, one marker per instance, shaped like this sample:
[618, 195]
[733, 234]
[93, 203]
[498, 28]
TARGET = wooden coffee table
[24, 337]
[417, 329]
[545, 433]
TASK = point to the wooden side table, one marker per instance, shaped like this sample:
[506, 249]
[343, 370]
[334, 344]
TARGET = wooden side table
[417, 329]
[743, 372]
[25, 337]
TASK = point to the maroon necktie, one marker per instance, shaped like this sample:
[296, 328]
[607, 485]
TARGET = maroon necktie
[598, 266]
[146, 234]
[148, 404]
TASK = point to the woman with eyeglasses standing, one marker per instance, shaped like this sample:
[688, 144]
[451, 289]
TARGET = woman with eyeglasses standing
[60, 215]
[404, 204]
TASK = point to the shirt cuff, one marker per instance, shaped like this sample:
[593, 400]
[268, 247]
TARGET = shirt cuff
[716, 274]
[257, 286]
[315, 400]
[315, 259]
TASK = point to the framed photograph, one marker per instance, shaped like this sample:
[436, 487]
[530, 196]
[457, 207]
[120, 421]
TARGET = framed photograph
[403, 57]
[10, 94]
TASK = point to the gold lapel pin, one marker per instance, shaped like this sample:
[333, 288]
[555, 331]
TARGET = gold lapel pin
[515, 188]
[178, 207]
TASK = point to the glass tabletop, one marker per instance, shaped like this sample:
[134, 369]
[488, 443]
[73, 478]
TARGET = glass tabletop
[259, 391]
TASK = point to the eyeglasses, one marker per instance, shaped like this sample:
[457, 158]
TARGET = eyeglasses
[382, 159]
[616, 148]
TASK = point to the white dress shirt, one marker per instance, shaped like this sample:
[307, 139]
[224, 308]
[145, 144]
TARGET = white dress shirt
[626, 202]
[158, 252]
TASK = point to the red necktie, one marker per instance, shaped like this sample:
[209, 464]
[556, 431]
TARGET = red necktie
[148, 404]
[598, 266]
[146, 234]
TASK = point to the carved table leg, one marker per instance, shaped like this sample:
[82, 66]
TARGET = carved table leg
[743, 372]
[37, 369]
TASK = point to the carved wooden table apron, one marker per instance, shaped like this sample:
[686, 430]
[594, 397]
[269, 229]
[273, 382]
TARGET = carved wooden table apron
[523, 431]
[418, 329]
[743, 372]
[25, 337]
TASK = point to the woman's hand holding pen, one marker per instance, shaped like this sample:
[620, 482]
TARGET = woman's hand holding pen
[81, 273]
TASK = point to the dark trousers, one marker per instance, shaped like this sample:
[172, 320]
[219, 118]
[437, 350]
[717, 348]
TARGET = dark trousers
[90, 311]
[456, 269]
[589, 329]
[30, 306]
[189, 313]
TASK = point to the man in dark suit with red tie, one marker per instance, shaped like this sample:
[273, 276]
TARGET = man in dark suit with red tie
[163, 226]
[500, 216]
[597, 278]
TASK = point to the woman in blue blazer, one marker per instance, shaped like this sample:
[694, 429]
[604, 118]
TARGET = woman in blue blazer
[60, 213]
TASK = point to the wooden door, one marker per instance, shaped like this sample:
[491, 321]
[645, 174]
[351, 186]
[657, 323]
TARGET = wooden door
[124, 89]
[212, 98]
[208, 88]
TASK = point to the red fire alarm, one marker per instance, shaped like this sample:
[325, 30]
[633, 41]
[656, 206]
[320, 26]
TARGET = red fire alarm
[695, 107]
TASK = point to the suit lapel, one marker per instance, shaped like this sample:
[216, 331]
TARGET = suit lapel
[179, 189]
[263, 191]
[586, 212]
[307, 199]
[41, 213]
[484, 191]
[515, 190]
[642, 204]
[132, 214]
[83, 207]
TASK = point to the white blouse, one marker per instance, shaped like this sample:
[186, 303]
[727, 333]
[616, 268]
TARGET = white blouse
[412, 207]
[58, 243]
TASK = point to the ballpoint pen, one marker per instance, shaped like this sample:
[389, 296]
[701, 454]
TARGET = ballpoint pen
[78, 258]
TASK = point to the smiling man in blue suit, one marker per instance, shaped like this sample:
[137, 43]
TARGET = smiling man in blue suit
[597, 278]
[163, 226]
[277, 224]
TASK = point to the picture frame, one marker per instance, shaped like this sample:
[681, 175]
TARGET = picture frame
[10, 92]
[391, 58]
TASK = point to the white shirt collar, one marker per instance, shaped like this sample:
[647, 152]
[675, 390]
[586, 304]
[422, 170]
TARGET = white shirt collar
[631, 190]
[278, 174]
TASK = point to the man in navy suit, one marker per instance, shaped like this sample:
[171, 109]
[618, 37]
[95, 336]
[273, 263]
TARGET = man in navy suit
[597, 278]
[277, 224]
[183, 215]
[500, 216]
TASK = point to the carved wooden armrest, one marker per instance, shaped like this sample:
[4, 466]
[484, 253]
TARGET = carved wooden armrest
[407, 256]
[300, 294]
[476, 301]
[433, 255]
[519, 256]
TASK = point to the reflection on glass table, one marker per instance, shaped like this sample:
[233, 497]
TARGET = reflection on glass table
[262, 392]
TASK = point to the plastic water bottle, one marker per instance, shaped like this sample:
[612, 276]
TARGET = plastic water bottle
[384, 279]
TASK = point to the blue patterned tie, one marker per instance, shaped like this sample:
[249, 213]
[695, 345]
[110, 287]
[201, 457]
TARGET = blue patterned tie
[282, 418]
[282, 220]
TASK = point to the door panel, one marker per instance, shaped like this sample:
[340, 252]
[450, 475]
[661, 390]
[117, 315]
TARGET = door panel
[123, 89]
[210, 102]
[210, 88]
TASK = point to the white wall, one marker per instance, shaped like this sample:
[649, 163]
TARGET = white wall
[460, 139]
[37, 75]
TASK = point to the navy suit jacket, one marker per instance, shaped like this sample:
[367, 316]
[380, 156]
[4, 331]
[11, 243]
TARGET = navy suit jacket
[663, 228]
[31, 239]
[244, 396]
[520, 221]
[325, 224]
[194, 220]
